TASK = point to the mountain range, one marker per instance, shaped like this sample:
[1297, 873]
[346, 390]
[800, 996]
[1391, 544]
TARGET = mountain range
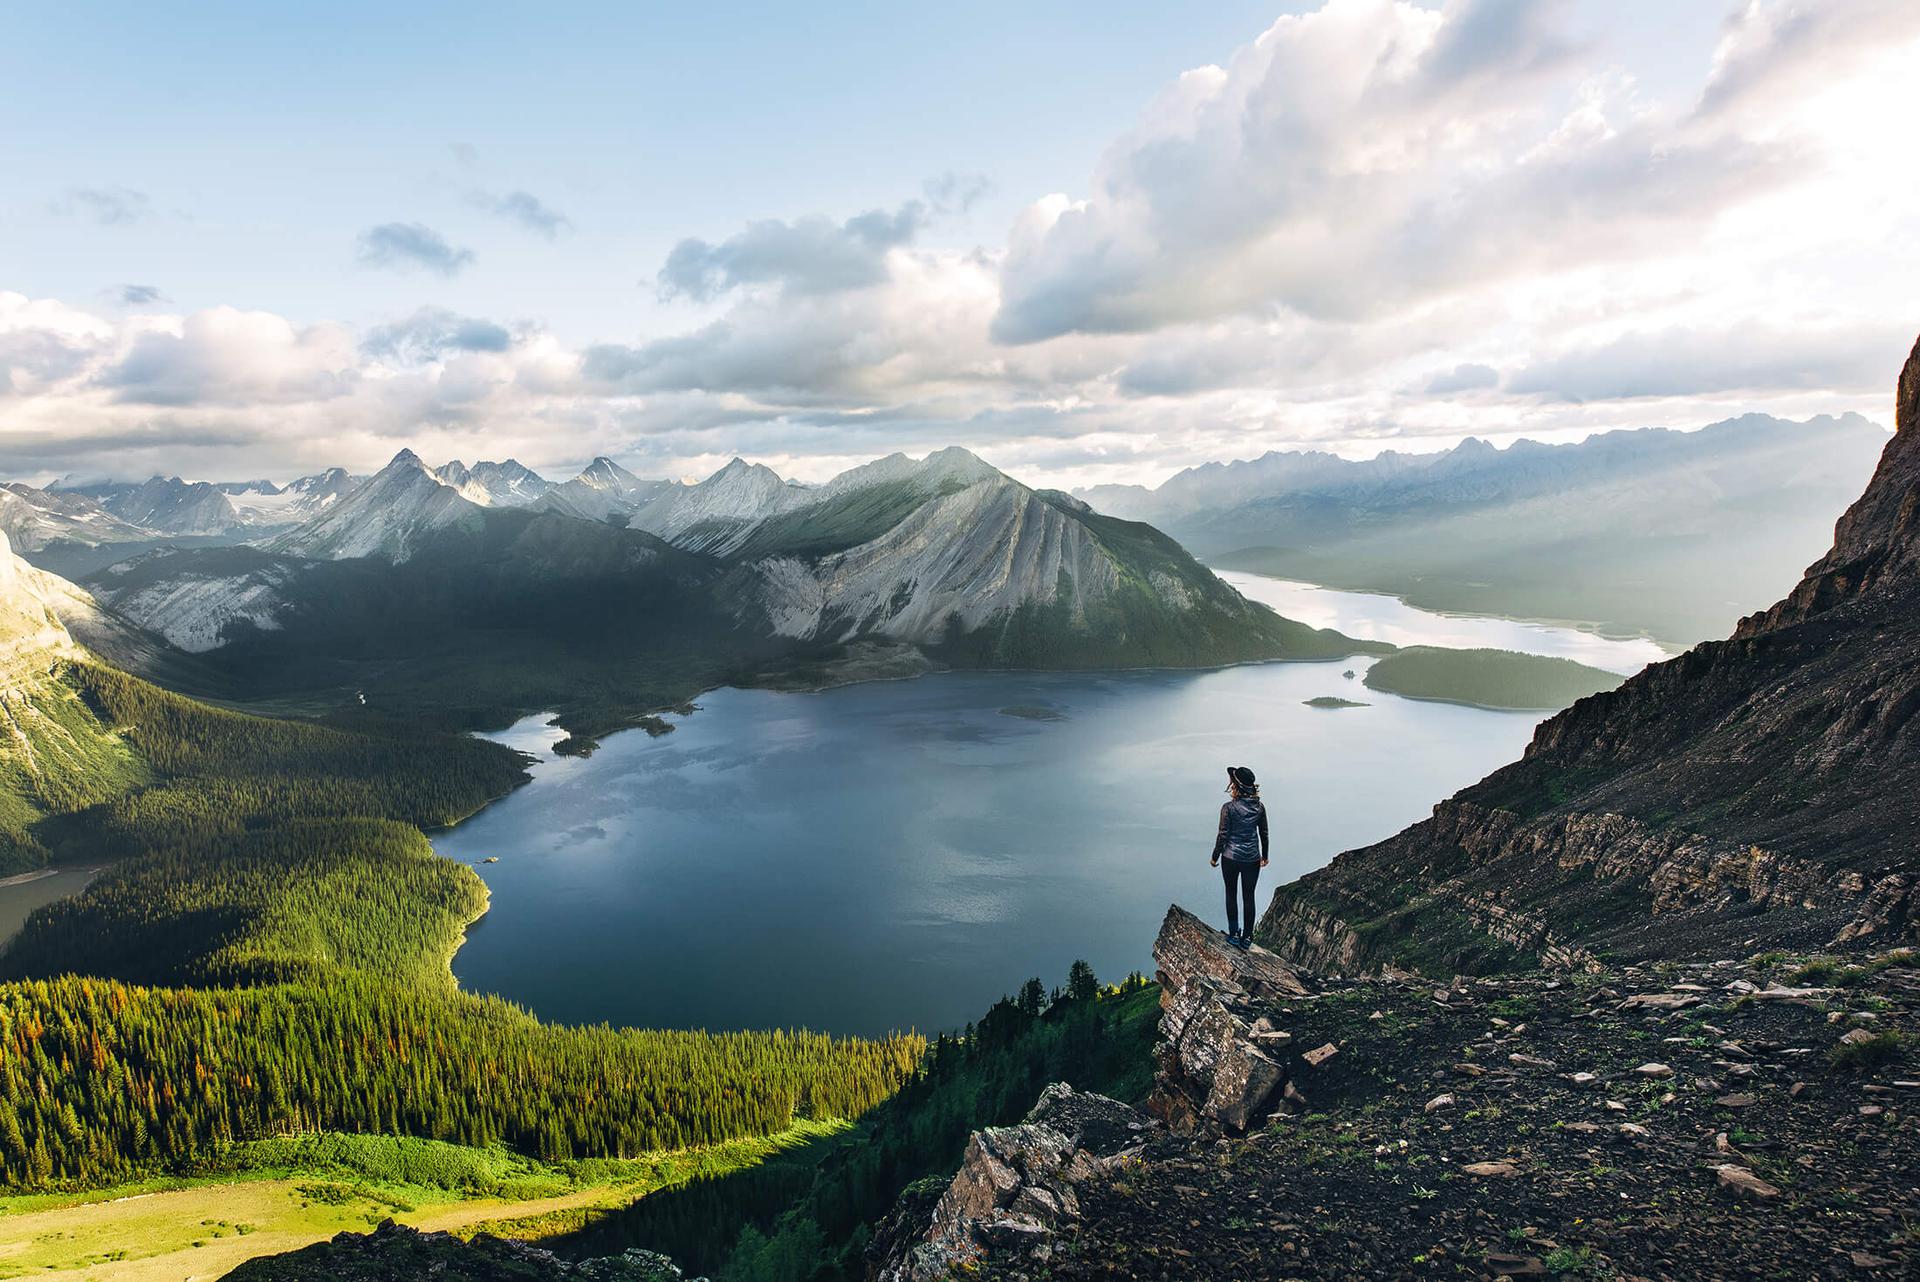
[475, 592]
[1674, 534]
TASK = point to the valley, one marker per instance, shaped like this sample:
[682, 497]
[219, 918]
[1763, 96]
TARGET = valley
[920, 840]
[1027, 643]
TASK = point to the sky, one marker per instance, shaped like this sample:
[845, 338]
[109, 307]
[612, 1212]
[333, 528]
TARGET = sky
[1093, 242]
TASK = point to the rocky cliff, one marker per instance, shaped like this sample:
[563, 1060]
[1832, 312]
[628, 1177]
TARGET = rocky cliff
[1753, 792]
[1712, 1119]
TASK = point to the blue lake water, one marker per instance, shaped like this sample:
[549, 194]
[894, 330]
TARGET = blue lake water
[900, 854]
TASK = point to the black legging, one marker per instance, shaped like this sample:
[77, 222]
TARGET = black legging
[1246, 872]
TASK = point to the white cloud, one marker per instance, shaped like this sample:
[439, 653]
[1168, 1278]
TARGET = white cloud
[1772, 52]
[811, 255]
[224, 356]
[1364, 159]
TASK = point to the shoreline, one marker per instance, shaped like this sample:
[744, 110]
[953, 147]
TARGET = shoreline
[1589, 627]
[89, 873]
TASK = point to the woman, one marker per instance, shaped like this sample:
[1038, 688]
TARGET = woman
[1242, 843]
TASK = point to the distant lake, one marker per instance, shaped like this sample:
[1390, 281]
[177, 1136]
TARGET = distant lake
[1374, 617]
[900, 854]
[21, 893]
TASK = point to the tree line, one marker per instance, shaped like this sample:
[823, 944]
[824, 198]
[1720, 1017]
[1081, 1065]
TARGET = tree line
[271, 958]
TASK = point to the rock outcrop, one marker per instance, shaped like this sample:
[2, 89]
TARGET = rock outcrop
[1714, 1118]
[1221, 1061]
[1015, 1189]
[1753, 792]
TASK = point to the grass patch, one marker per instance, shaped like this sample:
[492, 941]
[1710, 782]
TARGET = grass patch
[1868, 1053]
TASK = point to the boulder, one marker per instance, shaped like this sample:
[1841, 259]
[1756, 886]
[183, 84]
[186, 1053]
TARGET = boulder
[1188, 948]
[1219, 1062]
[1015, 1188]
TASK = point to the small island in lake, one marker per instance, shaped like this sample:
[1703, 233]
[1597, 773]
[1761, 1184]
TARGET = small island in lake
[1333, 701]
[1033, 712]
[1499, 679]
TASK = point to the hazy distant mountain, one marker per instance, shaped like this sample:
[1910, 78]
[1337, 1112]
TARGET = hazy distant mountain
[508, 484]
[1675, 533]
[33, 519]
[718, 508]
[603, 491]
[388, 516]
[264, 505]
[169, 505]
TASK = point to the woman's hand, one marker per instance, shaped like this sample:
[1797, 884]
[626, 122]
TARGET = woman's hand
[1215, 861]
[1263, 861]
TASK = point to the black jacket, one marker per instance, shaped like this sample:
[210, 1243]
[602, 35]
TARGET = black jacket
[1243, 831]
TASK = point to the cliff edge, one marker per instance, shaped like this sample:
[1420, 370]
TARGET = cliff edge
[1753, 792]
[1713, 1119]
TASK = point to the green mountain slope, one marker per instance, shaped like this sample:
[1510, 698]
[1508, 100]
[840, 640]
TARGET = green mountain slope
[268, 954]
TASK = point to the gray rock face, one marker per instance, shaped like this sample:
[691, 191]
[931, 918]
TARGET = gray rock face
[1219, 1062]
[1015, 1188]
[387, 517]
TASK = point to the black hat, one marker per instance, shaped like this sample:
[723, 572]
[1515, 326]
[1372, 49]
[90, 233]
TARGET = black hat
[1241, 775]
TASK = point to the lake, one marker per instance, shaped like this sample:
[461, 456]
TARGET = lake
[21, 893]
[900, 854]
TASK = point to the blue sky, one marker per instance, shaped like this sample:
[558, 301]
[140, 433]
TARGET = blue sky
[266, 137]
[1322, 241]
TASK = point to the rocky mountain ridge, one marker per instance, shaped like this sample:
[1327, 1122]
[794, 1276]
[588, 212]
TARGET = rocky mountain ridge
[1752, 791]
[944, 554]
[389, 516]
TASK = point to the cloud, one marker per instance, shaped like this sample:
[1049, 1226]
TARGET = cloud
[402, 246]
[224, 356]
[525, 209]
[140, 295]
[108, 206]
[1463, 378]
[1363, 159]
[811, 255]
[955, 193]
[1758, 357]
[1771, 51]
[432, 332]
